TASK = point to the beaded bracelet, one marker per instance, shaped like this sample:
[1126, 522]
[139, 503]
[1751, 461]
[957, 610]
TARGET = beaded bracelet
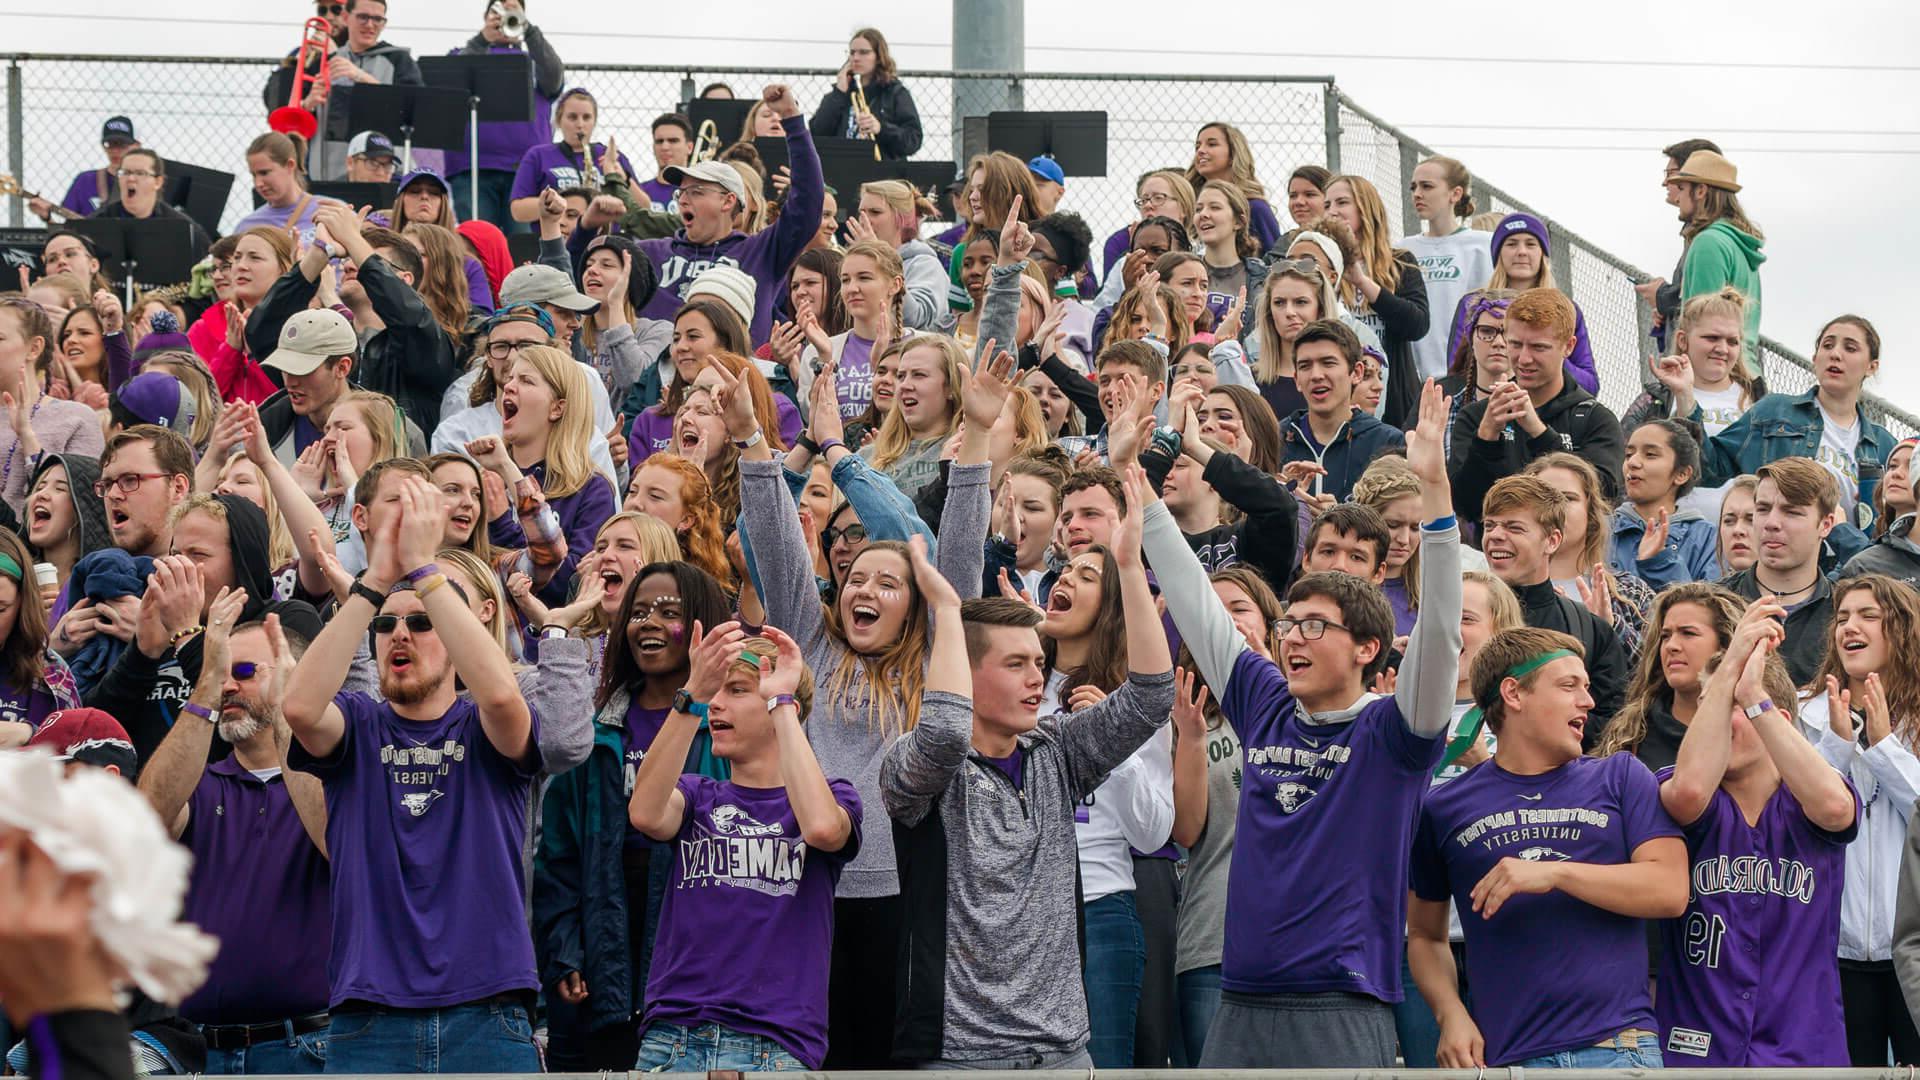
[174, 641]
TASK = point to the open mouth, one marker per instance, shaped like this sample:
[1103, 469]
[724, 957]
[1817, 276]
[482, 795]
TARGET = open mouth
[463, 522]
[1296, 664]
[686, 217]
[399, 662]
[717, 725]
[41, 514]
[650, 644]
[509, 409]
[1059, 602]
[1579, 725]
[117, 519]
[865, 616]
[1854, 645]
[689, 438]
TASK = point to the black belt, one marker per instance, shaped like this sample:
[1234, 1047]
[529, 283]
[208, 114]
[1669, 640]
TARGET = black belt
[242, 1036]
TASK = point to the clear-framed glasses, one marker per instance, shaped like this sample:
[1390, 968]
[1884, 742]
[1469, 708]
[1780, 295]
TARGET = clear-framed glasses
[1310, 629]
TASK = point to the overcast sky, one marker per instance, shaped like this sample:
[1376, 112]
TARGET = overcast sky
[1565, 110]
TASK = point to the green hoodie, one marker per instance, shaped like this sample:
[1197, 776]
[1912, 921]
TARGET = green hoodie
[1723, 255]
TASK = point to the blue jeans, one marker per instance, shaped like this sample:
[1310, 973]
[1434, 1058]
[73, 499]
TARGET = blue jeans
[710, 1047]
[487, 1037]
[1199, 996]
[291, 1056]
[1116, 962]
[1644, 1055]
[496, 189]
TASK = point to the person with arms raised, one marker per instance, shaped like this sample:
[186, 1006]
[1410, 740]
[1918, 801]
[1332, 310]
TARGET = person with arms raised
[1794, 510]
[426, 800]
[1310, 973]
[1556, 947]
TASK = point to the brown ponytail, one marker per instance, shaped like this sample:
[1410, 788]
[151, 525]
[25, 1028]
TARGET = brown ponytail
[1456, 176]
[282, 149]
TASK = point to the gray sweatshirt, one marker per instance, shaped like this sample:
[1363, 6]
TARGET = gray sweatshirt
[847, 740]
[925, 304]
[989, 870]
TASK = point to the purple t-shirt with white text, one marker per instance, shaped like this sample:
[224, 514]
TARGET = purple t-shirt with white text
[743, 876]
[651, 433]
[1328, 810]
[1749, 976]
[1549, 972]
[853, 378]
[557, 166]
[425, 825]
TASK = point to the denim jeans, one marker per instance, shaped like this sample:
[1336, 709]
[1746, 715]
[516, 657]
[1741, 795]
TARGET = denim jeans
[1644, 1055]
[1116, 962]
[711, 1047]
[1199, 994]
[486, 1037]
[496, 189]
[291, 1056]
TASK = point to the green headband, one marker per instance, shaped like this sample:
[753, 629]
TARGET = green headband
[10, 568]
[1476, 717]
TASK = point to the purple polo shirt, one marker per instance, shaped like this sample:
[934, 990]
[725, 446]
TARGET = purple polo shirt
[1748, 976]
[261, 887]
[742, 876]
[425, 823]
[1317, 892]
[1549, 972]
[557, 166]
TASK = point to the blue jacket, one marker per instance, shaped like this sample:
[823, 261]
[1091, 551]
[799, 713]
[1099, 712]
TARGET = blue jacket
[1360, 440]
[1781, 426]
[1691, 554]
[580, 900]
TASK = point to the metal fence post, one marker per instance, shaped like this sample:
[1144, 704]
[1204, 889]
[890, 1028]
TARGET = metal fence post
[1408, 157]
[1330, 99]
[16, 142]
[1561, 257]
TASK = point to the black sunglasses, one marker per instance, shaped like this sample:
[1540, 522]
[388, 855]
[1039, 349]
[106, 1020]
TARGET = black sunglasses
[417, 623]
[329, 9]
[852, 534]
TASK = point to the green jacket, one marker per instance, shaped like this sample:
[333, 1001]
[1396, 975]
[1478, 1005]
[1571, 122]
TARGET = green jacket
[1722, 255]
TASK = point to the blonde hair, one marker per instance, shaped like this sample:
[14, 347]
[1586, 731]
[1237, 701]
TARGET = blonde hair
[1386, 480]
[658, 544]
[909, 206]
[1728, 303]
[1373, 239]
[1746, 482]
[1501, 601]
[487, 585]
[895, 438]
[1273, 349]
[193, 374]
[754, 209]
[885, 256]
[1544, 281]
[1129, 315]
[1239, 161]
[1244, 242]
[280, 549]
[382, 419]
[1183, 193]
[569, 444]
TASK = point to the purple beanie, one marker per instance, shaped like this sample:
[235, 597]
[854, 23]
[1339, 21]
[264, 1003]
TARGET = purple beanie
[158, 398]
[1513, 224]
[164, 336]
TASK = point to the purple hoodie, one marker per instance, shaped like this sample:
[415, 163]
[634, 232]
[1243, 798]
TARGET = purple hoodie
[765, 256]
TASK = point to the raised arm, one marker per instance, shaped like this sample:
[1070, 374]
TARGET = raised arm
[1189, 757]
[1431, 667]
[312, 536]
[921, 764]
[171, 774]
[969, 507]
[825, 824]
[1701, 763]
[781, 562]
[1000, 308]
[657, 808]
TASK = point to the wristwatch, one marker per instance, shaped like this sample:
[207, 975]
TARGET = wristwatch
[683, 703]
[1169, 441]
[1759, 709]
[366, 592]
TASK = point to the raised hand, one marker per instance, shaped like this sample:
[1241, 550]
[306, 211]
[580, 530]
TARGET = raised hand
[811, 329]
[222, 615]
[491, 452]
[532, 608]
[423, 517]
[1126, 532]
[1083, 696]
[736, 404]
[1426, 443]
[309, 470]
[610, 159]
[1596, 591]
[1229, 327]
[782, 676]
[552, 207]
[858, 228]
[785, 343]
[1879, 716]
[1010, 587]
[826, 423]
[1189, 705]
[339, 582]
[709, 655]
[1016, 240]
[988, 388]
[779, 98]
[1654, 539]
[617, 441]
[1839, 709]
[113, 318]
[934, 588]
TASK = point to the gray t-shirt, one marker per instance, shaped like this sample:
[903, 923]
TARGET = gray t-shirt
[1202, 926]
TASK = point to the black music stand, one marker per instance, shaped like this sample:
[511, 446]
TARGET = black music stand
[151, 251]
[20, 247]
[356, 195]
[499, 89]
[845, 164]
[523, 248]
[432, 116]
[1077, 140]
[198, 192]
[729, 118]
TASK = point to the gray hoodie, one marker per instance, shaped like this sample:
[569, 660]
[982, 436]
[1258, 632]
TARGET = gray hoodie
[925, 305]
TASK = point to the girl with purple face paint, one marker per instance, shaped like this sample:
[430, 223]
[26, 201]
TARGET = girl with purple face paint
[594, 871]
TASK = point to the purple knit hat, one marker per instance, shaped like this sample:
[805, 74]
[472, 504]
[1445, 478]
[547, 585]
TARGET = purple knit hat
[164, 336]
[158, 398]
[1514, 224]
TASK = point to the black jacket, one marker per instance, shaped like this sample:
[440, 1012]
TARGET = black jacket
[1576, 422]
[1895, 554]
[411, 360]
[1266, 536]
[892, 105]
[1807, 625]
[1403, 317]
[383, 59]
[1544, 607]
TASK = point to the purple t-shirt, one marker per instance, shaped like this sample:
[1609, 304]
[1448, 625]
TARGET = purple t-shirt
[1748, 977]
[83, 195]
[557, 166]
[425, 825]
[30, 706]
[652, 432]
[853, 377]
[643, 726]
[742, 876]
[662, 193]
[1549, 972]
[1327, 809]
[260, 886]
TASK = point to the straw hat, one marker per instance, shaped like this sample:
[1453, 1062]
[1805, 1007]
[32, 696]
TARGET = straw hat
[1709, 168]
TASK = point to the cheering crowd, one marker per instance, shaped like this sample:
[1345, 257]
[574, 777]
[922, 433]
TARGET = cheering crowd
[1240, 640]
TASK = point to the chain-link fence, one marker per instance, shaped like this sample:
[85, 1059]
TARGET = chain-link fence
[204, 110]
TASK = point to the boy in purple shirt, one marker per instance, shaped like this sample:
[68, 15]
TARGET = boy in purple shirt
[1332, 786]
[1553, 859]
[432, 965]
[1748, 977]
[757, 858]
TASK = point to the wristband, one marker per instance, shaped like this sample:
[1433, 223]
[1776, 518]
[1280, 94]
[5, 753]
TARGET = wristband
[174, 641]
[366, 592]
[804, 443]
[553, 630]
[828, 444]
[778, 700]
[425, 586]
[1760, 709]
[198, 710]
[1441, 524]
[419, 573]
[749, 442]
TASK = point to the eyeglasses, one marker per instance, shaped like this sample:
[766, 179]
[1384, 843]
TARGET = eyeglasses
[128, 483]
[852, 534]
[243, 671]
[701, 189]
[501, 350]
[1488, 333]
[1310, 629]
[417, 623]
[133, 174]
[1148, 202]
[370, 20]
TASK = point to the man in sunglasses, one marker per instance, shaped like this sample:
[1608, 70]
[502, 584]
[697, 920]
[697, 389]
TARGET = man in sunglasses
[427, 798]
[362, 57]
[258, 837]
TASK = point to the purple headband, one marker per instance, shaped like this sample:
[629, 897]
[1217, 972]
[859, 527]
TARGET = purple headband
[1483, 304]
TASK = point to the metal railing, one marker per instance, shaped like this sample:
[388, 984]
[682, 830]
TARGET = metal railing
[204, 110]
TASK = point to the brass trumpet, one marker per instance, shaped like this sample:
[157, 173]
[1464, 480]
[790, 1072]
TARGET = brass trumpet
[860, 107]
[706, 142]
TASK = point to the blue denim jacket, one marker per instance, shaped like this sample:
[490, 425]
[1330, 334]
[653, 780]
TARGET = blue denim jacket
[1781, 426]
[883, 508]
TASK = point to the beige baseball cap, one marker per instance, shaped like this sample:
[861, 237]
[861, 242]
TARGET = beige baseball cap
[312, 338]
